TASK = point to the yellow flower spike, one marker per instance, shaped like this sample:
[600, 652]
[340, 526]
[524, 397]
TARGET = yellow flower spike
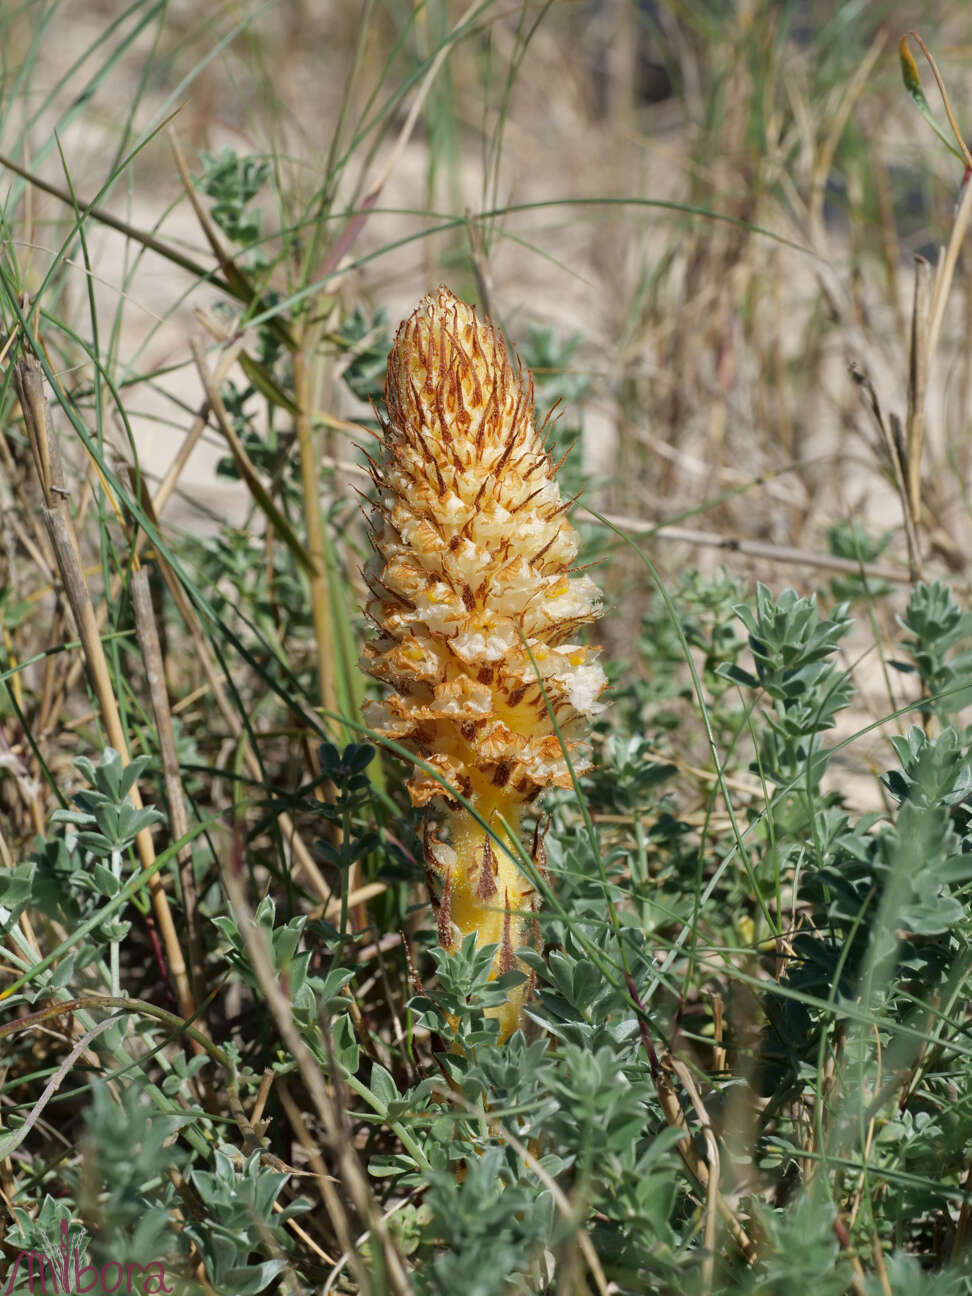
[472, 562]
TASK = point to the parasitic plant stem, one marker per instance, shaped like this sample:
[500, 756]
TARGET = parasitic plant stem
[473, 595]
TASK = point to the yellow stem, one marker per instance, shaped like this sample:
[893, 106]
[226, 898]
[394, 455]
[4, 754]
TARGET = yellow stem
[485, 892]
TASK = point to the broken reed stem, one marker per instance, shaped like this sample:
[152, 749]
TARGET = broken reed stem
[29, 382]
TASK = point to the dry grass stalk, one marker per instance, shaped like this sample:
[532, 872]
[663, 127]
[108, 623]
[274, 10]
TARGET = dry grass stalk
[758, 548]
[151, 648]
[326, 1101]
[29, 383]
[243, 461]
[304, 861]
[320, 594]
[891, 446]
[158, 502]
[712, 1194]
[697, 1167]
[917, 383]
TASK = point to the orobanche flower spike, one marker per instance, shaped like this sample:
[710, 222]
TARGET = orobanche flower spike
[473, 597]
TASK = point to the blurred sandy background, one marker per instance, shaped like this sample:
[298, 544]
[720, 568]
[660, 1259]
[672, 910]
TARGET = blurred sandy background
[709, 361]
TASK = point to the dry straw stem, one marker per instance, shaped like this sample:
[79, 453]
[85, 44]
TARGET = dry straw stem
[10, 1142]
[477, 607]
[891, 445]
[327, 1103]
[928, 312]
[918, 361]
[661, 1072]
[759, 548]
[945, 270]
[927, 322]
[29, 383]
[176, 468]
[318, 577]
[236, 281]
[151, 648]
[306, 1140]
[338, 1266]
[824, 158]
[712, 1187]
[498, 1130]
[244, 463]
[306, 362]
[697, 1167]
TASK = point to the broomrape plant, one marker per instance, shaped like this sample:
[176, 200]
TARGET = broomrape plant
[475, 603]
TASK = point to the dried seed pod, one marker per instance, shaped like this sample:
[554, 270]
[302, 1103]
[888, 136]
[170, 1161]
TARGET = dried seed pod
[473, 596]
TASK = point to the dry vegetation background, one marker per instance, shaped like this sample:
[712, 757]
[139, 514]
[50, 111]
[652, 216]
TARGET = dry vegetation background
[716, 354]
